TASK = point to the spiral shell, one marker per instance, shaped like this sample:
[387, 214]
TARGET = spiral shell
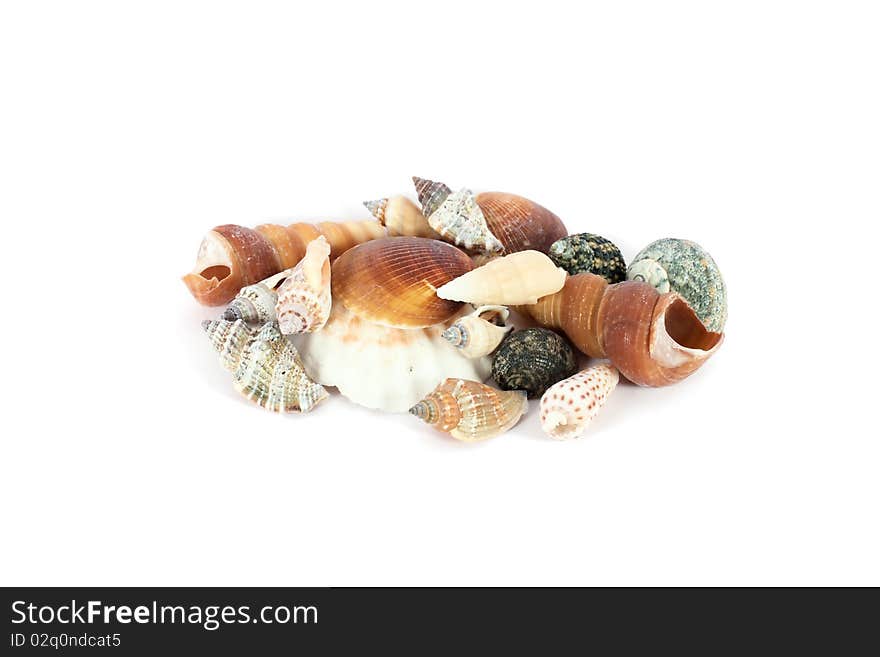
[229, 339]
[460, 220]
[393, 281]
[520, 224]
[533, 360]
[568, 407]
[518, 278]
[684, 267]
[431, 194]
[470, 411]
[255, 304]
[401, 217]
[304, 301]
[478, 334]
[586, 252]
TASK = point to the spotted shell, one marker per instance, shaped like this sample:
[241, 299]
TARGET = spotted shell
[479, 333]
[568, 407]
[685, 267]
[401, 217]
[458, 219]
[586, 252]
[304, 300]
[255, 303]
[533, 360]
[229, 339]
[471, 411]
[393, 281]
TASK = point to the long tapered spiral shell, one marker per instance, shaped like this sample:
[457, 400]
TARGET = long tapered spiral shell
[515, 279]
[477, 334]
[431, 194]
[229, 339]
[533, 359]
[460, 220]
[231, 257]
[568, 407]
[255, 303]
[393, 281]
[401, 217]
[471, 411]
[653, 339]
[304, 301]
[520, 224]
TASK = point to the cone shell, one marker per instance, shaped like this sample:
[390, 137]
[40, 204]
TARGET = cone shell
[229, 339]
[533, 360]
[586, 252]
[380, 367]
[255, 304]
[518, 278]
[393, 281]
[303, 303]
[401, 217]
[471, 411]
[431, 194]
[568, 407]
[460, 220]
[520, 224]
[480, 333]
[682, 266]
[232, 257]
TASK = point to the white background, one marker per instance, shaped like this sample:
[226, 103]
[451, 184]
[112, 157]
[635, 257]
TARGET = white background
[130, 129]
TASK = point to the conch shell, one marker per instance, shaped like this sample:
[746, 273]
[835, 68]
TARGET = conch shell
[515, 279]
[304, 300]
[479, 333]
[380, 367]
[653, 339]
[266, 367]
[470, 411]
[568, 407]
[401, 217]
[255, 303]
[393, 281]
[431, 194]
[232, 257]
[456, 216]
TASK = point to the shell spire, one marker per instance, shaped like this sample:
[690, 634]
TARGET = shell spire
[255, 303]
[377, 209]
[431, 194]
[401, 217]
[568, 407]
[228, 339]
[460, 220]
[477, 334]
[304, 301]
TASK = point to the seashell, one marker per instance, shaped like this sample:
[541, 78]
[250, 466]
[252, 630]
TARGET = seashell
[589, 253]
[480, 333]
[675, 265]
[515, 279]
[380, 367]
[304, 299]
[460, 220]
[393, 281]
[470, 411]
[271, 375]
[255, 303]
[520, 224]
[533, 360]
[232, 257]
[401, 217]
[431, 194]
[229, 338]
[568, 407]
[653, 339]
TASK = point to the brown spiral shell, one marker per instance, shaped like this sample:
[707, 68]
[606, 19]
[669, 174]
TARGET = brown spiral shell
[520, 224]
[393, 281]
[653, 339]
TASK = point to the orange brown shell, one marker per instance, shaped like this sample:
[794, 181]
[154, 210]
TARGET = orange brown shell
[520, 224]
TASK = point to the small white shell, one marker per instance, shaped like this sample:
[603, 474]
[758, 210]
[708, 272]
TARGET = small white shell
[460, 220]
[401, 217]
[475, 335]
[568, 407]
[255, 303]
[304, 301]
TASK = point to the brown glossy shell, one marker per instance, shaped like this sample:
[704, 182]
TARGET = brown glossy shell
[653, 339]
[520, 224]
[232, 256]
[393, 281]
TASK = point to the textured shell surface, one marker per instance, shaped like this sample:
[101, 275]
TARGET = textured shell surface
[381, 367]
[303, 300]
[479, 333]
[516, 279]
[255, 303]
[394, 281]
[471, 411]
[533, 359]
[229, 339]
[401, 217]
[684, 267]
[460, 220]
[569, 406]
[431, 194]
[271, 375]
[586, 252]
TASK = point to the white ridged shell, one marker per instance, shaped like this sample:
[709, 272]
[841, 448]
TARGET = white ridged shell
[474, 336]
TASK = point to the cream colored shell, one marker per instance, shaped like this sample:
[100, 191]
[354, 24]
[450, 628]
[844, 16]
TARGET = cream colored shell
[476, 336]
[303, 300]
[568, 407]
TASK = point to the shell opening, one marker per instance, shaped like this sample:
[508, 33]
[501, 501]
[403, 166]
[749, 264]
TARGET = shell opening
[683, 326]
[215, 271]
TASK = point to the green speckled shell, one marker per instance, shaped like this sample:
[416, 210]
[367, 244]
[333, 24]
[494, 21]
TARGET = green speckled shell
[533, 360]
[589, 253]
[684, 267]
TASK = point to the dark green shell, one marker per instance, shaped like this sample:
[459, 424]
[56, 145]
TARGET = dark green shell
[589, 253]
[533, 360]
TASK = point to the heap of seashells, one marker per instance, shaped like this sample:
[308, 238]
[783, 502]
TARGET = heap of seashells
[414, 313]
